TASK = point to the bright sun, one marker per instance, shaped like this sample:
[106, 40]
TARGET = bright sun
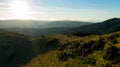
[20, 9]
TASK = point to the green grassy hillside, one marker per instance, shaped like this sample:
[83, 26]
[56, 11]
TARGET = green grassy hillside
[73, 51]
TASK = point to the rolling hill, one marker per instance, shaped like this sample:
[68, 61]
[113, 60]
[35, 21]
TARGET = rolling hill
[40, 24]
[58, 50]
[107, 26]
[37, 28]
[72, 51]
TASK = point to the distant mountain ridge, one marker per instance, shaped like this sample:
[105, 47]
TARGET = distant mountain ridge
[29, 27]
[40, 24]
[107, 26]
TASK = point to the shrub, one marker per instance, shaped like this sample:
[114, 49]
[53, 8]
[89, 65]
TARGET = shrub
[99, 44]
[63, 56]
[52, 44]
[107, 64]
[110, 53]
[89, 61]
[115, 41]
[115, 35]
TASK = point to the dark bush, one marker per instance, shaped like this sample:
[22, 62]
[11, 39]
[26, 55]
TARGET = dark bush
[98, 44]
[63, 56]
[113, 36]
[89, 61]
[63, 47]
[52, 44]
[110, 53]
[88, 44]
[108, 64]
[115, 41]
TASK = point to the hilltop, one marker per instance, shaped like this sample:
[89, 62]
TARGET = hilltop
[107, 26]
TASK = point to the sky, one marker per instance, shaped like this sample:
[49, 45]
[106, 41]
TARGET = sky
[80, 10]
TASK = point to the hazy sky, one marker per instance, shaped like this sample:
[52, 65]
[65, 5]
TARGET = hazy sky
[83, 10]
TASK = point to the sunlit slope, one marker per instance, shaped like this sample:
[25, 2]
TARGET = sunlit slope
[59, 50]
[73, 51]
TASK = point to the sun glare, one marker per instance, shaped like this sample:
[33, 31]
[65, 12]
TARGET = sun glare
[19, 9]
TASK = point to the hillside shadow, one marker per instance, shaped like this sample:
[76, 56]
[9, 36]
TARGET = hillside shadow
[23, 51]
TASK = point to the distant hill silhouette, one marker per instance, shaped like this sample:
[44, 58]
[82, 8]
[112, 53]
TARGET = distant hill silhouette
[108, 26]
[40, 24]
[36, 28]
